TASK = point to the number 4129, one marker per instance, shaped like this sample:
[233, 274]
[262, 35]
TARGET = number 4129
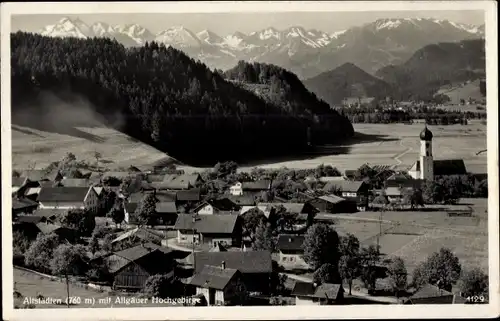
[475, 299]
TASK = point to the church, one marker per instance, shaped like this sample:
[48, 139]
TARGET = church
[426, 168]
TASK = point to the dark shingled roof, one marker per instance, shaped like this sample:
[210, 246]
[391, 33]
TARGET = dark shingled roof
[261, 185]
[344, 186]
[18, 181]
[20, 203]
[49, 212]
[241, 200]
[146, 256]
[207, 223]
[449, 167]
[214, 277]
[184, 181]
[192, 195]
[290, 242]
[30, 219]
[333, 199]
[166, 207]
[245, 262]
[75, 182]
[323, 291]
[294, 208]
[47, 228]
[63, 194]
[430, 291]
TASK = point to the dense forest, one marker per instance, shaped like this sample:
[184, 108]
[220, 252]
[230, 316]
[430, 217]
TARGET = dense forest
[173, 102]
[283, 88]
[434, 66]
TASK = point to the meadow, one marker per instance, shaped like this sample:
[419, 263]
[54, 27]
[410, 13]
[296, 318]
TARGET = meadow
[414, 235]
[376, 144]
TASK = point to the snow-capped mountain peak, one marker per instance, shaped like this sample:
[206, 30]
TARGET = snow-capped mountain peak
[209, 37]
[178, 35]
[67, 27]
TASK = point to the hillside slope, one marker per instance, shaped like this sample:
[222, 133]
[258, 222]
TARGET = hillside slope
[436, 65]
[162, 97]
[347, 81]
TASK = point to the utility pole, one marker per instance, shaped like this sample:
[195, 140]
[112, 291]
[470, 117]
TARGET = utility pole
[194, 233]
[380, 229]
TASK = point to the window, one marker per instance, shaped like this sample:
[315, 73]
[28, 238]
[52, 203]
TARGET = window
[284, 258]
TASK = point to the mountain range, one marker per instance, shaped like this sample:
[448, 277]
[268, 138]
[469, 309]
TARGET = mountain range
[305, 52]
[420, 77]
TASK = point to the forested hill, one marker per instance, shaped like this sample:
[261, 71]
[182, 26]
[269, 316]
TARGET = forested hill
[169, 100]
[283, 88]
[436, 65]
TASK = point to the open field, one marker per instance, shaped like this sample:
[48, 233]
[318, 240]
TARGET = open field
[398, 145]
[415, 235]
[461, 91]
[31, 285]
[378, 144]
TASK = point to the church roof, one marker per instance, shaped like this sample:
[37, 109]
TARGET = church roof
[426, 134]
[447, 167]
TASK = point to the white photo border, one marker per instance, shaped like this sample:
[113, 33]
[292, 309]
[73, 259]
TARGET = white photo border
[232, 313]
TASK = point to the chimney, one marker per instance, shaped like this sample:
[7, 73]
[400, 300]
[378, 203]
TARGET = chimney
[290, 240]
[223, 265]
[315, 285]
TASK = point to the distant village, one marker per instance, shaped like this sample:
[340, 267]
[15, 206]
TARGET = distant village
[224, 236]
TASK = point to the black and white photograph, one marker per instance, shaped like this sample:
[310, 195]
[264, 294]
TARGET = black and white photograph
[249, 156]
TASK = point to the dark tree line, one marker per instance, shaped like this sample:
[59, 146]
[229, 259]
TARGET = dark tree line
[171, 101]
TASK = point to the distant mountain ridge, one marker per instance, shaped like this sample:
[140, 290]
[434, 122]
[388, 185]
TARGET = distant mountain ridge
[306, 52]
[345, 81]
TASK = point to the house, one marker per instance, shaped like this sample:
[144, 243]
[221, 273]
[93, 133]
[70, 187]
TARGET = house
[137, 184]
[255, 266]
[350, 174]
[50, 214]
[312, 294]
[188, 196]
[115, 174]
[267, 210]
[166, 213]
[328, 179]
[64, 233]
[129, 209]
[131, 267]
[68, 198]
[236, 189]
[17, 183]
[23, 206]
[293, 208]
[137, 234]
[351, 190]
[209, 229]
[291, 253]
[75, 182]
[181, 182]
[219, 285]
[209, 208]
[37, 175]
[431, 294]
[332, 204]
[256, 187]
[238, 201]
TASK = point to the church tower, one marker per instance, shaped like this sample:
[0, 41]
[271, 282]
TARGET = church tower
[426, 159]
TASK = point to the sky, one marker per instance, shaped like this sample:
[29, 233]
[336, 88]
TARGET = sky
[227, 23]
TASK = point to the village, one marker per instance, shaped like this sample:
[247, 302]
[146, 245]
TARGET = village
[265, 237]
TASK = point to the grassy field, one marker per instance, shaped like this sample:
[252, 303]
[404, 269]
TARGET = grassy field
[462, 91]
[377, 144]
[31, 285]
[398, 145]
[415, 235]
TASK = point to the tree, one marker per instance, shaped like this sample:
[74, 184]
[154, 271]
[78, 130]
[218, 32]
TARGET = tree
[369, 260]
[93, 245]
[68, 260]
[321, 246]
[398, 275]
[350, 259]
[222, 170]
[146, 211]
[381, 200]
[327, 273]
[264, 239]
[97, 156]
[106, 243]
[252, 219]
[473, 282]
[162, 285]
[41, 251]
[20, 243]
[117, 214]
[81, 220]
[440, 268]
